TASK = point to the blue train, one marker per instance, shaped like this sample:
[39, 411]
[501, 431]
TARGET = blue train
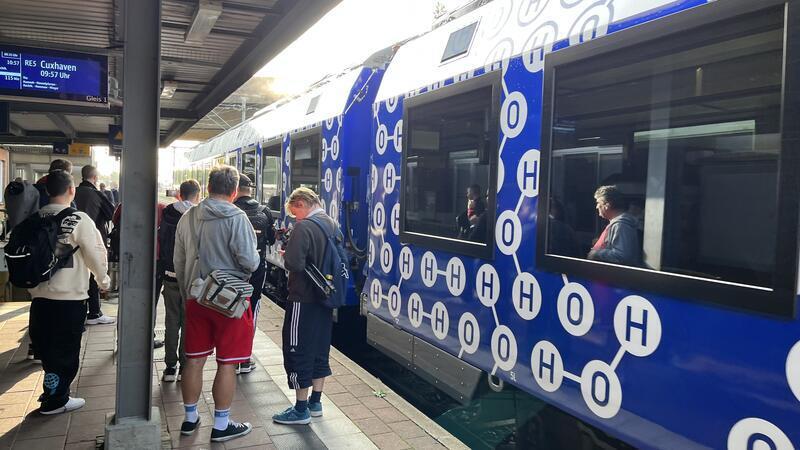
[464, 169]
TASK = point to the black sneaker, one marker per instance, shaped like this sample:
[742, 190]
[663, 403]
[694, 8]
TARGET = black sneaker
[246, 367]
[233, 431]
[187, 428]
[32, 357]
[169, 374]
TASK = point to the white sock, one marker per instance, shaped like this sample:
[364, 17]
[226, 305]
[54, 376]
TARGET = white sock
[221, 419]
[191, 412]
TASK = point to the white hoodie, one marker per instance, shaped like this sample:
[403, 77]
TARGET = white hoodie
[72, 281]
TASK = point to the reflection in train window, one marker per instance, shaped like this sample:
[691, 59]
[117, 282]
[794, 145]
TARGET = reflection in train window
[449, 172]
[688, 133]
[305, 162]
[249, 163]
[271, 176]
[232, 159]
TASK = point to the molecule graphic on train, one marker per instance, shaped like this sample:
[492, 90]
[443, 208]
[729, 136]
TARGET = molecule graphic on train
[637, 324]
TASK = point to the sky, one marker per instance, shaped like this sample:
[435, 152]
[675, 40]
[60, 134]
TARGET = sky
[346, 36]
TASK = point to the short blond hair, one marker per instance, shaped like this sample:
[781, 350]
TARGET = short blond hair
[305, 195]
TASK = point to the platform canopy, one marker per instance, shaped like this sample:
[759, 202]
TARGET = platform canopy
[209, 49]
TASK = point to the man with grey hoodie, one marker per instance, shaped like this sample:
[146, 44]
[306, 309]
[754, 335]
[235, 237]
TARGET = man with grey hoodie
[619, 242]
[214, 235]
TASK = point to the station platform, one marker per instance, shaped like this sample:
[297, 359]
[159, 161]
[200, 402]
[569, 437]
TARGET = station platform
[360, 411]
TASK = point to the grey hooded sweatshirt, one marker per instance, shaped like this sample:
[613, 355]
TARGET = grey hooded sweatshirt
[227, 242]
[622, 245]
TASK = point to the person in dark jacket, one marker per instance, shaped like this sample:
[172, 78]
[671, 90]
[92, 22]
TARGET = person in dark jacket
[189, 196]
[308, 323]
[91, 201]
[472, 222]
[619, 241]
[109, 195]
[261, 218]
[41, 184]
[22, 200]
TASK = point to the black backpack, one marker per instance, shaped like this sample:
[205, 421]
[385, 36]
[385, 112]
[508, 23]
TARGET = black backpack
[31, 251]
[333, 274]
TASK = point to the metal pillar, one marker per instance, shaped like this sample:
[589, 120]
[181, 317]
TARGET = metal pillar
[136, 424]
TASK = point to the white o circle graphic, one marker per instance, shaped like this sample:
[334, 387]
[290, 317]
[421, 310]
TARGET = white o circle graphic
[637, 326]
[339, 179]
[389, 178]
[539, 43]
[415, 310]
[513, 114]
[469, 333]
[373, 178]
[376, 293]
[391, 104]
[440, 321]
[381, 139]
[398, 136]
[741, 433]
[528, 173]
[527, 296]
[395, 301]
[395, 219]
[324, 149]
[497, 19]
[334, 211]
[592, 24]
[575, 309]
[456, 276]
[287, 156]
[501, 174]
[508, 232]
[601, 389]
[379, 217]
[371, 253]
[406, 263]
[504, 348]
[328, 178]
[428, 269]
[547, 366]
[793, 369]
[387, 257]
[487, 285]
[335, 148]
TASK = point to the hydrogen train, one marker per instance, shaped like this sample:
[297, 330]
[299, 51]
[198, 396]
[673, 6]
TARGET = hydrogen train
[690, 108]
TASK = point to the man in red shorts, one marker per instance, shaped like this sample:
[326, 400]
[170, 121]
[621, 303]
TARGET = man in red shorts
[214, 235]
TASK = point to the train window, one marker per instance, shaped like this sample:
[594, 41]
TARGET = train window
[249, 163]
[305, 162]
[459, 42]
[450, 168]
[233, 160]
[666, 157]
[271, 176]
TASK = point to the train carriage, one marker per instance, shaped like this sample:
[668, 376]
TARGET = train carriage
[689, 108]
[318, 140]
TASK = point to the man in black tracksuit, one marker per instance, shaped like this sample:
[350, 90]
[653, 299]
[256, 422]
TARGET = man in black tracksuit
[261, 218]
[308, 323]
[90, 200]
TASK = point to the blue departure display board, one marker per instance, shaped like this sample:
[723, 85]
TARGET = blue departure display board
[53, 76]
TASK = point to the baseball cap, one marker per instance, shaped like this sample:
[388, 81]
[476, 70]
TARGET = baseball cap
[245, 181]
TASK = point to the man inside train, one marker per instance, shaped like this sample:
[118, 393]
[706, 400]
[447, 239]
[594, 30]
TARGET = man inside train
[619, 242]
[472, 221]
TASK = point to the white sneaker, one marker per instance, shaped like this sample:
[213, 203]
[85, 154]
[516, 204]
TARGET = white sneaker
[72, 404]
[102, 320]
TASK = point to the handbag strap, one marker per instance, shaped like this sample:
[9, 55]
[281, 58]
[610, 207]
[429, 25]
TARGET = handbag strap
[196, 234]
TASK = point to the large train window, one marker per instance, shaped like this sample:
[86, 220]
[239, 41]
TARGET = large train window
[305, 161]
[667, 165]
[271, 176]
[249, 163]
[449, 171]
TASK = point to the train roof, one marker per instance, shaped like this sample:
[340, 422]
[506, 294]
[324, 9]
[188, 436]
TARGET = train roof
[505, 28]
[303, 111]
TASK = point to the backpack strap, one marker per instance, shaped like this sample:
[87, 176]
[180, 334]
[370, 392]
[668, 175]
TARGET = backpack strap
[58, 218]
[328, 236]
